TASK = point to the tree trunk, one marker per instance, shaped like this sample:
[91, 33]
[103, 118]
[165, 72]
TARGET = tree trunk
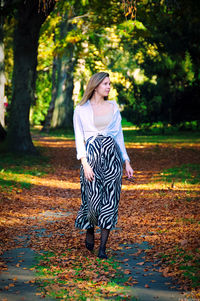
[49, 115]
[2, 75]
[2, 133]
[63, 111]
[30, 17]
[56, 62]
[69, 104]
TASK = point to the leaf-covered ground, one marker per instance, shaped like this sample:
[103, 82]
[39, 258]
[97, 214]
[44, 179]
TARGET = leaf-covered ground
[161, 207]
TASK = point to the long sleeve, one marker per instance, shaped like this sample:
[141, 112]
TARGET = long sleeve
[79, 135]
[120, 139]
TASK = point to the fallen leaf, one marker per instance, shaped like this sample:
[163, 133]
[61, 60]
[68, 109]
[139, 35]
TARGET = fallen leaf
[184, 242]
[134, 282]
[11, 285]
[140, 263]
[127, 272]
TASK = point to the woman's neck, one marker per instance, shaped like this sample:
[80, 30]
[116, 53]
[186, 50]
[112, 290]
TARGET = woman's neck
[97, 99]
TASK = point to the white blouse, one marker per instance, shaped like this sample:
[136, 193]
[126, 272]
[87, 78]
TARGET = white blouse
[84, 128]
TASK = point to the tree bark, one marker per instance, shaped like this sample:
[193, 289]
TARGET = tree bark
[2, 133]
[49, 115]
[2, 74]
[63, 111]
[30, 17]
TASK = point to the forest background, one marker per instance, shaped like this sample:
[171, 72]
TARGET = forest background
[49, 49]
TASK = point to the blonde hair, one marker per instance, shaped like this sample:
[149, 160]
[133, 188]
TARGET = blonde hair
[94, 81]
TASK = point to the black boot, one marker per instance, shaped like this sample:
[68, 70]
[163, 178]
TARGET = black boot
[102, 248]
[102, 253]
[89, 241]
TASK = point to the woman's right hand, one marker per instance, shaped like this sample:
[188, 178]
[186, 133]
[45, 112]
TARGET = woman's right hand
[88, 172]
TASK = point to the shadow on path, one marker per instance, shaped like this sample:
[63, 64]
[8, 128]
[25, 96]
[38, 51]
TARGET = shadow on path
[149, 284]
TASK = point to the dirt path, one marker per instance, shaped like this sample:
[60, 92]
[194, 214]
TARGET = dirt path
[150, 215]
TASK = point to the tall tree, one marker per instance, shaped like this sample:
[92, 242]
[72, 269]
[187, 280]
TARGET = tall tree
[80, 22]
[63, 110]
[30, 15]
[2, 77]
[60, 111]
[48, 118]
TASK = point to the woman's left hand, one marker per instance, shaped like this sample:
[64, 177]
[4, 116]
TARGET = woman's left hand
[129, 170]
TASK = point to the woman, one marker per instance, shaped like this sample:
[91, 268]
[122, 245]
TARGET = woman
[100, 147]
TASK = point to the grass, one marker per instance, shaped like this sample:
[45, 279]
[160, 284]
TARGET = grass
[188, 262]
[186, 173]
[16, 171]
[57, 133]
[157, 134]
[132, 135]
[56, 281]
[190, 270]
[137, 136]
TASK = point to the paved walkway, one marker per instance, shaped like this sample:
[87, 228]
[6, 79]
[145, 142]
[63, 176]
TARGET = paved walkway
[18, 282]
[150, 285]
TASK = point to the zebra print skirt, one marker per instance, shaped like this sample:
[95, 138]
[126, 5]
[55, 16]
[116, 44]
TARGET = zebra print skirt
[100, 198]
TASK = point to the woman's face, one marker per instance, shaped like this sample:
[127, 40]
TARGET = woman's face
[103, 88]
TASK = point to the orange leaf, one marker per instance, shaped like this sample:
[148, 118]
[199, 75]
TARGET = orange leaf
[140, 263]
[11, 285]
[127, 272]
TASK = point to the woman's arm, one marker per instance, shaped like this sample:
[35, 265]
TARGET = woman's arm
[88, 172]
[79, 134]
[129, 170]
[120, 140]
[80, 145]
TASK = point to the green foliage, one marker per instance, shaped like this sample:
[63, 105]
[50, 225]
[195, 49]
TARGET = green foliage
[153, 61]
[39, 109]
[163, 53]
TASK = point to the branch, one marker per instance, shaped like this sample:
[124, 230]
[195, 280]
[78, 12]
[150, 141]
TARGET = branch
[78, 17]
